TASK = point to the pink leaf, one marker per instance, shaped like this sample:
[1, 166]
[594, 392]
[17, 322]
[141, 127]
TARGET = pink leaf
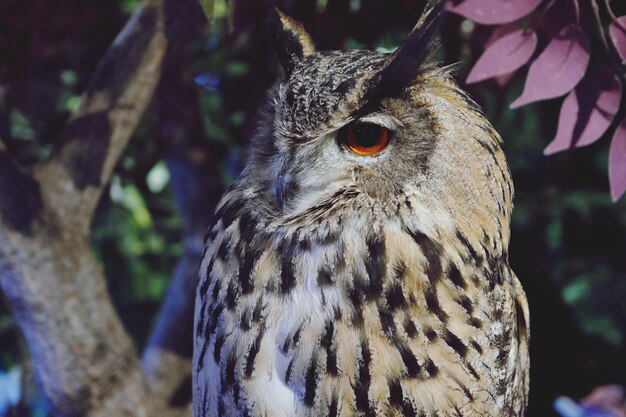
[502, 80]
[494, 12]
[558, 69]
[605, 396]
[504, 56]
[618, 36]
[497, 33]
[617, 162]
[500, 32]
[587, 112]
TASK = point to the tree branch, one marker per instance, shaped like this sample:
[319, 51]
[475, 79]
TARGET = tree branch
[167, 358]
[83, 358]
[111, 108]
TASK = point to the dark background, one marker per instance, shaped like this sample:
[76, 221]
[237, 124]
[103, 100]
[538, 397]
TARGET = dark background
[568, 239]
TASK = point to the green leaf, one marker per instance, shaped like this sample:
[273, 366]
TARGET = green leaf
[387, 49]
[208, 6]
[158, 177]
[211, 103]
[354, 44]
[69, 78]
[238, 118]
[321, 5]
[554, 234]
[68, 102]
[355, 6]
[576, 291]
[20, 126]
[604, 327]
[135, 202]
[236, 69]
[129, 197]
[129, 6]
[221, 9]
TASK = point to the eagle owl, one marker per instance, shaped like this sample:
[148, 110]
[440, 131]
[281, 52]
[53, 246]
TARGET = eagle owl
[358, 266]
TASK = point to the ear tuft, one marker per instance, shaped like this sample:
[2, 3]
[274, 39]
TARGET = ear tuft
[291, 41]
[408, 60]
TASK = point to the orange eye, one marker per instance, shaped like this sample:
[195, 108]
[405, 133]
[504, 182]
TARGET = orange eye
[366, 139]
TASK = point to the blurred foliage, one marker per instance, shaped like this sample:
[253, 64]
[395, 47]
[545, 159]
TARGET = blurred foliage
[568, 239]
[570, 217]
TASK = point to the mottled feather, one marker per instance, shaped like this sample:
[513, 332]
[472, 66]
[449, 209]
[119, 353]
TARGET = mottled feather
[334, 284]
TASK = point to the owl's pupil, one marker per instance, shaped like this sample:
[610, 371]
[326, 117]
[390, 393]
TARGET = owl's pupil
[365, 139]
[367, 135]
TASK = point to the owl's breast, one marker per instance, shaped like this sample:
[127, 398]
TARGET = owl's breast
[356, 318]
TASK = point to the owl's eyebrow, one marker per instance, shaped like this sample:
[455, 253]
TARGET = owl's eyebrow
[381, 119]
[369, 112]
[368, 107]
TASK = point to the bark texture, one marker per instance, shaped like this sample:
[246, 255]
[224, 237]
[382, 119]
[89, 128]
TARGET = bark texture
[83, 358]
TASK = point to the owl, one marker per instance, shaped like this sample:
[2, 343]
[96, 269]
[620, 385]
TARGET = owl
[359, 264]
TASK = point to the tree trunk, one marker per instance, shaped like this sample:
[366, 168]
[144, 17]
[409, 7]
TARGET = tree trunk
[83, 358]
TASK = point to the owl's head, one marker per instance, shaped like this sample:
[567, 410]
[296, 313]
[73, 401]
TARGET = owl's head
[382, 125]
